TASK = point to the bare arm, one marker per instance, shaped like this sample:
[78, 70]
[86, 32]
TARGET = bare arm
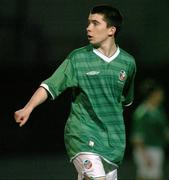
[21, 116]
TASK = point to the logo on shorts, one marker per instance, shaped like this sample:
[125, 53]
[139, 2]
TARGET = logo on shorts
[87, 164]
[122, 75]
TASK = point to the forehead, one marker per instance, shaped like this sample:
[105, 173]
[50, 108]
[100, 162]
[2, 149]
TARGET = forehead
[96, 17]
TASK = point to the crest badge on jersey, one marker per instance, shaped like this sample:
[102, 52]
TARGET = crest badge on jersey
[87, 164]
[122, 75]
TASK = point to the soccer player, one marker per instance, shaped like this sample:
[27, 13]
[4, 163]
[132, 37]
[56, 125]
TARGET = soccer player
[103, 74]
[150, 132]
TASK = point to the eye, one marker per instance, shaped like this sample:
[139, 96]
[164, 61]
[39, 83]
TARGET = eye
[88, 24]
[95, 23]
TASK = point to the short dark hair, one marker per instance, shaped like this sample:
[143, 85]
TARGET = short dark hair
[111, 15]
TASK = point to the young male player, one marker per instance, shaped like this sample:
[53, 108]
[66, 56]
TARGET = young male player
[104, 74]
[150, 132]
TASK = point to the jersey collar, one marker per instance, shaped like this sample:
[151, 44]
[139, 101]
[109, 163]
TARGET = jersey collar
[105, 58]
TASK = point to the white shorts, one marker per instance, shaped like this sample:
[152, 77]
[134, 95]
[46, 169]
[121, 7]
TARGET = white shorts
[156, 155]
[94, 167]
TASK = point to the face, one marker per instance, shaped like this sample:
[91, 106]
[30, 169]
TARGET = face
[157, 96]
[97, 31]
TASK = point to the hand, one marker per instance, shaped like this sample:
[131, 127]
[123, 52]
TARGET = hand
[148, 162]
[21, 116]
[147, 159]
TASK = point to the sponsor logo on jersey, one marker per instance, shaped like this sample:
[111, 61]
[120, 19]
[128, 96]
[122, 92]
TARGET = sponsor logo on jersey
[122, 75]
[91, 73]
[87, 164]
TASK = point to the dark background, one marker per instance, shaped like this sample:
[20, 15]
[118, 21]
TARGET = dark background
[36, 36]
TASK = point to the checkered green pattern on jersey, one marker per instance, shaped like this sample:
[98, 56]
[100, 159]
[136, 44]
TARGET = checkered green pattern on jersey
[97, 113]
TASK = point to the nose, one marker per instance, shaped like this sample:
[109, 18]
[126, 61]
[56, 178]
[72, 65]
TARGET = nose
[88, 28]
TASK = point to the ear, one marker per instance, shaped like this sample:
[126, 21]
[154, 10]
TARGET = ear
[112, 30]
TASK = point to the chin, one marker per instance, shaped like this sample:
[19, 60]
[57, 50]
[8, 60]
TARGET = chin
[96, 45]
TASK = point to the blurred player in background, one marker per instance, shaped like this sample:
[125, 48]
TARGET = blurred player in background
[150, 132]
[103, 76]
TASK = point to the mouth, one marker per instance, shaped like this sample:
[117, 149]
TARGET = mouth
[89, 37]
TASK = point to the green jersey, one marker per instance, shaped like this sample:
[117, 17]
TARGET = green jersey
[150, 125]
[95, 123]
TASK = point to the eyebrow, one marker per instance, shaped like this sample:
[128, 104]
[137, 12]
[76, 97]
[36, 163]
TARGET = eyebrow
[93, 21]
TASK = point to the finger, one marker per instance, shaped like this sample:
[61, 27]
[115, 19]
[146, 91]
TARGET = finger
[16, 116]
[18, 119]
[22, 122]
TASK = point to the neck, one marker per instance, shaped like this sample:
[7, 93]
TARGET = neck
[108, 49]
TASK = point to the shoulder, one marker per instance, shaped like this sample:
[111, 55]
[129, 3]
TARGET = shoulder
[82, 51]
[128, 59]
[140, 111]
[126, 55]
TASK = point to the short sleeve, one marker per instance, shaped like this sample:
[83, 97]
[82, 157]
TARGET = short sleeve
[128, 92]
[64, 77]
